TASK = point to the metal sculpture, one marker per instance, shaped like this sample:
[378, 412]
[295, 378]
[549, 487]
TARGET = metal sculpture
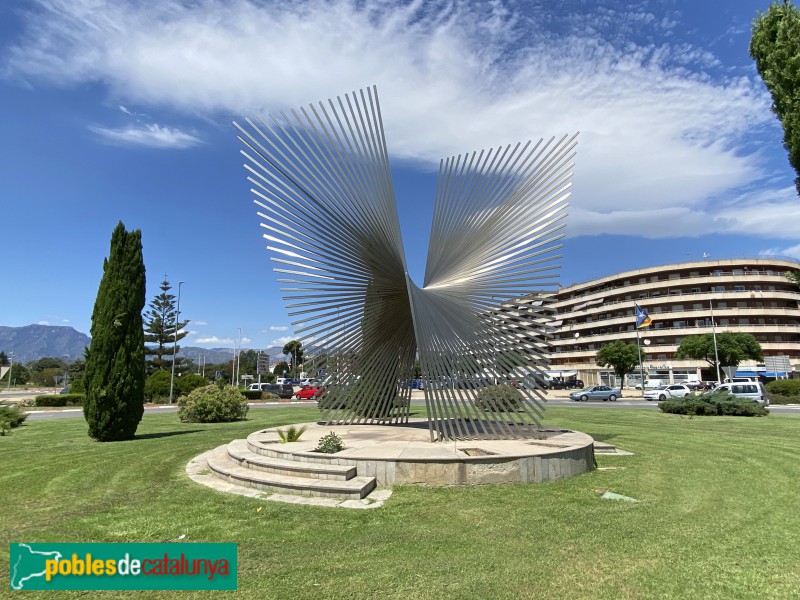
[474, 323]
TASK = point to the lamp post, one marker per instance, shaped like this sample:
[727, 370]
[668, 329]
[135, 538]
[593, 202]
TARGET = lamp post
[238, 357]
[714, 333]
[175, 343]
[10, 368]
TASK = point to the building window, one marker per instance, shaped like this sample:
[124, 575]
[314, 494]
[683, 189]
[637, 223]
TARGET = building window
[677, 324]
[677, 307]
[695, 290]
[738, 288]
[720, 289]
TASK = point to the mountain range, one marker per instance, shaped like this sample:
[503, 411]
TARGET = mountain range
[33, 342]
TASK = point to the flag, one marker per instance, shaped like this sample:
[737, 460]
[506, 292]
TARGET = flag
[642, 318]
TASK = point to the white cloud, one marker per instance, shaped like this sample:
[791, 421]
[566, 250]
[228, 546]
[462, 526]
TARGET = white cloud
[281, 341]
[787, 251]
[151, 136]
[216, 340]
[65, 320]
[279, 328]
[200, 323]
[664, 126]
[43, 323]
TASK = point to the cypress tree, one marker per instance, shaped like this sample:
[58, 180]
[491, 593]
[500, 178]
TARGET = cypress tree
[115, 369]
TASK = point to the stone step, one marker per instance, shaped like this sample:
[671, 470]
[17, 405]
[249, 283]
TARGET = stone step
[227, 469]
[266, 444]
[240, 452]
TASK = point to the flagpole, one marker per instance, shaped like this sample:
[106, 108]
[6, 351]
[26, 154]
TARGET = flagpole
[639, 348]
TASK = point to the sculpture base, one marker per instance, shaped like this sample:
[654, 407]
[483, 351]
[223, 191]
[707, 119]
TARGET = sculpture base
[404, 454]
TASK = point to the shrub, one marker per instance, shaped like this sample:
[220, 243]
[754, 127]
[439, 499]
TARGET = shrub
[719, 403]
[330, 444]
[292, 434]
[499, 398]
[210, 404]
[781, 399]
[269, 396]
[251, 394]
[10, 417]
[76, 386]
[59, 400]
[187, 383]
[157, 385]
[784, 387]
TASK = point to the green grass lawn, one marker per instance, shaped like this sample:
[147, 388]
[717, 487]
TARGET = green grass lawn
[717, 517]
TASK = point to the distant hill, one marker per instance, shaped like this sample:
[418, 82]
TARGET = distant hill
[220, 355]
[33, 342]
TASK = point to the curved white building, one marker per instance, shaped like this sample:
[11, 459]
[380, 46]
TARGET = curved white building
[746, 296]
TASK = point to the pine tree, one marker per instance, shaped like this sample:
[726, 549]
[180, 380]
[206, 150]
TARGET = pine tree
[114, 376]
[159, 328]
[775, 46]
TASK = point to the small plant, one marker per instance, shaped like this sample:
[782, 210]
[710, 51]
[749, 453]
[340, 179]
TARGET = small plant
[499, 398]
[10, 417]
[210, 404]
[292, 434]
[330, 444]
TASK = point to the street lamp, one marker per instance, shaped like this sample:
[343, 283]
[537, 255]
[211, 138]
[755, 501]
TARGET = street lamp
[175, 343]
[238, 358]
[10, 368]
[714, 333]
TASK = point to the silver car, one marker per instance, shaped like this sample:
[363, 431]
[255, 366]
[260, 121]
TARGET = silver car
[596, 392]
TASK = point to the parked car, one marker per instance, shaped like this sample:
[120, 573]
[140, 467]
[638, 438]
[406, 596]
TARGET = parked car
[596, 392]
[692, 384]
[414, 384]
[754, 390]
[307, 392]
[565, 384]
[281, 390]
[662, 392]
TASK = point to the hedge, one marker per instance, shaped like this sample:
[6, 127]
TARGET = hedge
[59, 400]
[713, 404]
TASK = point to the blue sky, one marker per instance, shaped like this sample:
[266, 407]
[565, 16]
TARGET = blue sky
[114, 110]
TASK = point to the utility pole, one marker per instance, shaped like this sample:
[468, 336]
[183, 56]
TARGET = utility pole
[10, 368]
[175, 343]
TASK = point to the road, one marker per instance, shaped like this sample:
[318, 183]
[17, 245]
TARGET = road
[417, 399]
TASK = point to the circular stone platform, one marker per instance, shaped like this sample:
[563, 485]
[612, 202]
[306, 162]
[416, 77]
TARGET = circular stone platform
[404, 454]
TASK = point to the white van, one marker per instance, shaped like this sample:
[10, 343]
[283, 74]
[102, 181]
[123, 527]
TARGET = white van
[750, 389]
[264, 387]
